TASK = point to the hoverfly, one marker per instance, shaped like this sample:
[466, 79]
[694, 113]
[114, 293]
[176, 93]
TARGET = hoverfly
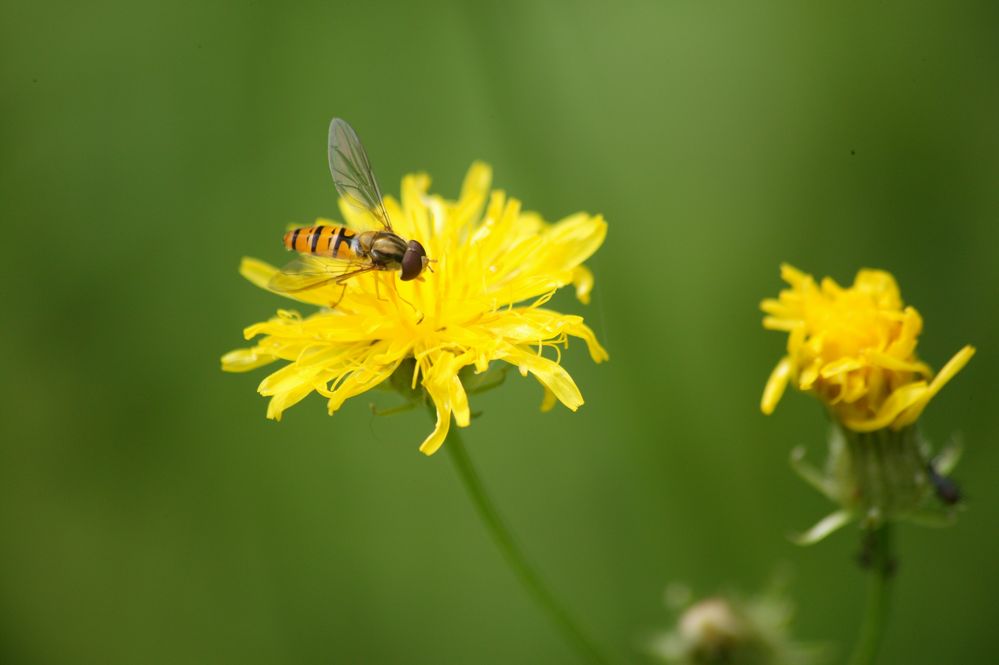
[334, 254]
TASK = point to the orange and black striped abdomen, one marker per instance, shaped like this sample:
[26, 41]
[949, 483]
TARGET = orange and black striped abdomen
[332, 241]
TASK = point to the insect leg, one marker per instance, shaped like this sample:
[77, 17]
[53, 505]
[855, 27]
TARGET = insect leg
[344, 277]
[343, 292]
[378, 293]
[392, 410]
[342, 281]
[414, 308]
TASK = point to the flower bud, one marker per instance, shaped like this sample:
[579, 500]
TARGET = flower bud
[881, 476]
[728, 630]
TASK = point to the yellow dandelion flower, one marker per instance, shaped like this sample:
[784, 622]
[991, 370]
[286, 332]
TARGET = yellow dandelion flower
[855, 349]
[496, 266]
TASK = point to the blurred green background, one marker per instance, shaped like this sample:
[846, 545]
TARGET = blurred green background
[150, 514]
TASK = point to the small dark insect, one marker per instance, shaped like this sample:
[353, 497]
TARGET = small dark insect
[947, 490]
[853, 152]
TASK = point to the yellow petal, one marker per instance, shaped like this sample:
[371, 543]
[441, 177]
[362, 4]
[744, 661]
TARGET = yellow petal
[571, 241]
[881, 286]
[258, 272]
[597, 353]
[438, 394]
[808, 375]
[551, 375]
[782, 325]
[359, 381]
[841, 366]
[549, 400]
[441, 378]
[946, 373]
[792, 275]
[285, 399]
[244, 360]
[898, 364]
[776, 384]
[414, 223]
[582, 279]
[474, 192]
[897, 402]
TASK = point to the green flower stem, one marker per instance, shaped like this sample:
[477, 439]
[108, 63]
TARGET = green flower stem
[878, 554]
[514, 557]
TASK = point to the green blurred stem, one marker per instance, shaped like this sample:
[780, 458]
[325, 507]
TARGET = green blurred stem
[878, 554]
[514, 557]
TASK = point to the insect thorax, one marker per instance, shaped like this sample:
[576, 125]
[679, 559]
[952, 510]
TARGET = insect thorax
[383, 248]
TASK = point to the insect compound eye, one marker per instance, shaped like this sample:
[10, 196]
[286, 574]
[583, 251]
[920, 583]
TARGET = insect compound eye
[413, 261]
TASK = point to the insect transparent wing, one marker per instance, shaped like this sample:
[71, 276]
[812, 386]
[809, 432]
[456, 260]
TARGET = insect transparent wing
[310, 272]
[352, 172]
